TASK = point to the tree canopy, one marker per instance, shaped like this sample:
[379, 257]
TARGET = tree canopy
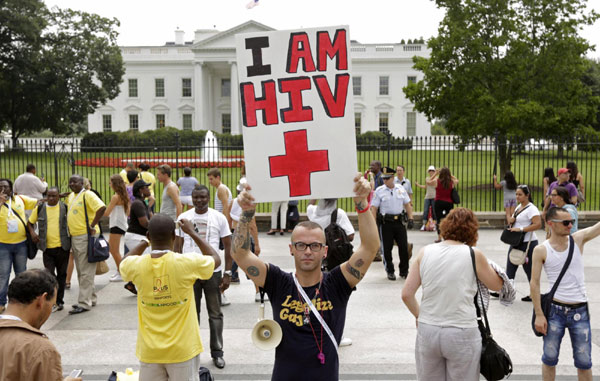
[56, 66]
[508, 68]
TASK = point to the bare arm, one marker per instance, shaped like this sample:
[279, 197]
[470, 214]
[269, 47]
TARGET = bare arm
[539, 257]
[581, 184]
[454, 181]
[173, 192]
[254, 234]
[113, 202]
[485, 272]
[412, 284]
[223, 196]
[356, 267]
[254, 267]
[97, 218]
[496, 185]
[582, 236]
[409, 209]
[226, 280]
[420, 186]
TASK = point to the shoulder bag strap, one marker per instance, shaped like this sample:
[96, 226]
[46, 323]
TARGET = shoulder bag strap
[334, 217]
[87, 222]
[316, 313]
[517, 212]
[566, 265]
[19, 217]
[484, 328]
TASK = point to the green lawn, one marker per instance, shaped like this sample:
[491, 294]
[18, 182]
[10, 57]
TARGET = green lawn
[473, 168]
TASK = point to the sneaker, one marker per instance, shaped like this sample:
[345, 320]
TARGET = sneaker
[345, 342]
[423, 228]
[224, 301]
[526, 298]
[257, 297]
[378, 257]
[494, 294]
[58, 307]
[116, 277]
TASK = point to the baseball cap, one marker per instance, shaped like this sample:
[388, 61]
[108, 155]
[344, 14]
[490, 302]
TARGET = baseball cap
[431, 168]
[139, 184]
[562, 170]
[387, 172]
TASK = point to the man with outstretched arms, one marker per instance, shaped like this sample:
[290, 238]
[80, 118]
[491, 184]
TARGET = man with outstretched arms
[569, 309]
[308, 350]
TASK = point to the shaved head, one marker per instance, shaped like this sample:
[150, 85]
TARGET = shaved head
[161, 228]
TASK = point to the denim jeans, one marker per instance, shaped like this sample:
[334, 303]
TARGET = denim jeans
[11, 255]
[577, 321]
[428, 203]
[213, 307]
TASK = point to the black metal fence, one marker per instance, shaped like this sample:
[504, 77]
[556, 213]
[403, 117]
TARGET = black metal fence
[473, 163]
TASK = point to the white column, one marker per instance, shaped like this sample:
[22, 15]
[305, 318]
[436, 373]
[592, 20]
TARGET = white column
[207, 100]
[198, 96]
[235, 101]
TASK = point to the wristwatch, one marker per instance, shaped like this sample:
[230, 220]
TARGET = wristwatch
[227, 272]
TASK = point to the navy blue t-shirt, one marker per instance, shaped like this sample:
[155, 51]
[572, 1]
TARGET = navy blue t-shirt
[296, 355]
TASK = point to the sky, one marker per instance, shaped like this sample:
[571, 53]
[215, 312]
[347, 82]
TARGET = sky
[153, 22]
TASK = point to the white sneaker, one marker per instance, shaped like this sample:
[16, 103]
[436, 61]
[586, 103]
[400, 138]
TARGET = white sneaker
[257, 297]
[224, 301]
[345, 342]
[423, 228]
[116, 277]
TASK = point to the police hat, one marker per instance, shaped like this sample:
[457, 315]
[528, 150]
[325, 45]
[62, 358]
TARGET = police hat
[387, 172]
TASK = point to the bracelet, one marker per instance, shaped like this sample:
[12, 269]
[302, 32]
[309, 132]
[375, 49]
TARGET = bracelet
[366, 209]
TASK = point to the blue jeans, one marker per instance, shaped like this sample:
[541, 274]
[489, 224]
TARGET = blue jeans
[428, 203]
[579, 330]
[11, 254]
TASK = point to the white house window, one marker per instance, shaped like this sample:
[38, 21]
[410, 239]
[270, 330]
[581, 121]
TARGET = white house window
[160, 121]
[225, 87]
[187, 121]
[357, 121]
[159, 87]
[106, 123]
[411, 79]
[384, 85]
[134, 122]
[357, 85]
[186, 87]
[226, 123]
[133, 88]
[411, 123]
[383, 121]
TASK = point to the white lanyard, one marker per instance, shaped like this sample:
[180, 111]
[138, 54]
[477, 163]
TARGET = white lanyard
[10, 212]
[72, 204]
[316, 313]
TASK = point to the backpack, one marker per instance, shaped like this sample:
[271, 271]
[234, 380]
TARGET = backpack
[339, 246]
[205, 375]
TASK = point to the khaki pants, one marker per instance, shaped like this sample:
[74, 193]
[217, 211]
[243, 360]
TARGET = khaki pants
[179, 371]
[85, 272]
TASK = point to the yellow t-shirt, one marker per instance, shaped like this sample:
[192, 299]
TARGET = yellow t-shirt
[149, 178]
[19, 204]
[123, 175]
[76, 214]
[168, 330]
[52, 225]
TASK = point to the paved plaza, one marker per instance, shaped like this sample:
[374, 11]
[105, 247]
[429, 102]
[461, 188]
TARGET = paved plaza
[382, 329]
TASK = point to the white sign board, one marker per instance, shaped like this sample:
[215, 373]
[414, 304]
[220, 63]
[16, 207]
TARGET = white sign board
[297, 113]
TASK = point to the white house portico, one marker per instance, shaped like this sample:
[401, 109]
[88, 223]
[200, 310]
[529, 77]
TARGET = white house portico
[194, 85]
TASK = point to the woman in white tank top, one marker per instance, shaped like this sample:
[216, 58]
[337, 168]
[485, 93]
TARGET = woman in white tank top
[448, 345]
[117, 212]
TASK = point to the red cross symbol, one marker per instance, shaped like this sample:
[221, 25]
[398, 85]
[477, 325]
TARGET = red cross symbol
[298, 162]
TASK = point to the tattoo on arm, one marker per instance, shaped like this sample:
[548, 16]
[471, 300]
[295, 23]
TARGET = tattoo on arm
[359, 262]
[247, 215]
[253, 271]
[354, 272]
[361, 205]
[241, 235]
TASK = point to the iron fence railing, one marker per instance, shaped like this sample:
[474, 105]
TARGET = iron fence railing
[473, 162]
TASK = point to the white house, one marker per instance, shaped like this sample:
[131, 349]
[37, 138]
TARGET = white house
[188, 85]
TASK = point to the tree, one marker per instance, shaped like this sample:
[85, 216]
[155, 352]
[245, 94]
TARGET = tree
[592, 79]
[56, 66]
[507, 68]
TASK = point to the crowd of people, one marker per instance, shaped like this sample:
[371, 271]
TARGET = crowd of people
[187, 250]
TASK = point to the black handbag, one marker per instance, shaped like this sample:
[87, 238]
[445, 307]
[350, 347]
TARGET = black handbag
[495, 363]
[31, 246]
[546, 299]
[513, 238]
[455, 196]
[97, 249]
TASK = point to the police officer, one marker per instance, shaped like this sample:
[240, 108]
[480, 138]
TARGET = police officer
[393, 203]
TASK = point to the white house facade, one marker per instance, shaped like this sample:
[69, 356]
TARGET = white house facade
[194, 85]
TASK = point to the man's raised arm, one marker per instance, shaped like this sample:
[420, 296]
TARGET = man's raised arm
[356, 267]
[240, 248]
[584, 235]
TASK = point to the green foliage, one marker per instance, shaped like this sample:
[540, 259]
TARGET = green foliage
[57, 66]
[439, 128]
[507, 67]
[591, 78]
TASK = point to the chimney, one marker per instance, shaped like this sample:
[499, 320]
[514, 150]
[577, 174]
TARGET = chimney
[179, 34]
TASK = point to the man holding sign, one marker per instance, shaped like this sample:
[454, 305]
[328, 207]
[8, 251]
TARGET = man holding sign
[309, 305]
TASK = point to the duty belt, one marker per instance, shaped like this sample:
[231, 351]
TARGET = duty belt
[392, 218]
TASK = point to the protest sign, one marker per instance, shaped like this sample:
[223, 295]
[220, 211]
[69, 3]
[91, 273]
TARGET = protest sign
[297, 113]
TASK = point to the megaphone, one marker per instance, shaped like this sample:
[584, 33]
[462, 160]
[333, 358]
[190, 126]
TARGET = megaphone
[266, 334]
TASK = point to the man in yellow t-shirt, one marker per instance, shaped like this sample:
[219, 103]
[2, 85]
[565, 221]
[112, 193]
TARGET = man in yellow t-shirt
[76, 222]
[13, 245]
[53, 239]
[168, 343]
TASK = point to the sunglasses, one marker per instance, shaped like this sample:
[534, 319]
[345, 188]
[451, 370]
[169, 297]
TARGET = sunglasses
[565, 222]
[523, 187]
[314, 246]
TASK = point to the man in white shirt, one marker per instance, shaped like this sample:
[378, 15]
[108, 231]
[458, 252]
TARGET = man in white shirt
[402, 180]
[212, 226]
[28, 184]
[569, 308]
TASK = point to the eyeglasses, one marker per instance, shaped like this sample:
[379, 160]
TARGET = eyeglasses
[314, 246]
[565, 222]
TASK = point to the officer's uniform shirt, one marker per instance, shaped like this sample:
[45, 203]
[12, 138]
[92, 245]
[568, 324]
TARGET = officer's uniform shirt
[390, 200]
[405, 183]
